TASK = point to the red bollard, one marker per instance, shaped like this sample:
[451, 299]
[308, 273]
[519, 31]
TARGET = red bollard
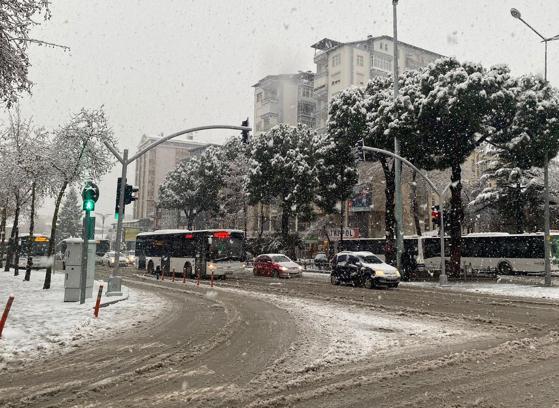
[184, 276]
[212, 278]
[162, 273]
[173, 274]
[98, 302]
[5, 314]
[198, 279]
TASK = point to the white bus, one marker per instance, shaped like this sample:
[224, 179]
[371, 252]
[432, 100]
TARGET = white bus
[38, 247]
[502, 253]
[191, 252]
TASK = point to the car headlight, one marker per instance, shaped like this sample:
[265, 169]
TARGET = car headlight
[300, 267]
[398, 274]
[283, 268]
[379, 273]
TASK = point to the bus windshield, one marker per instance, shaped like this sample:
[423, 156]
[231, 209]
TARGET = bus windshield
[228, 247]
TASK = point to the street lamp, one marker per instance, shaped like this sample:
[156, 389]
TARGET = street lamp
[103, 223]
[397, 163]
[516, 14]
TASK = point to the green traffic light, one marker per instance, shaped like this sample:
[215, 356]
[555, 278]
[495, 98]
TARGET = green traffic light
[116, 216]
[89, 205]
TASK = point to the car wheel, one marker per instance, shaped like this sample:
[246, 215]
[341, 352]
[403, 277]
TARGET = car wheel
[254, 272]
[334, 279]
[394, 285]
[187, 269]
[505, 269]
[275, 274]
[369, 283]
[150, 268]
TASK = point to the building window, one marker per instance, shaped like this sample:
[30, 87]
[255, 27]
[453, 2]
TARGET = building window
[360, 61]
[306, 91]
[360, 78]
[382, 63]
[336, 82]
[305, 108]
[336, 60]
[259, 97]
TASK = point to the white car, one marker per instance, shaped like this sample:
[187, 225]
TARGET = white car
[109, 259]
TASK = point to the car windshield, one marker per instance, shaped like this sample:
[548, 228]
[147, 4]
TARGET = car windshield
[370, 259]
[280, 258]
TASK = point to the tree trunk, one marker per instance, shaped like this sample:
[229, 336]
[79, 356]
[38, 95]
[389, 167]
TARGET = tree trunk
[341, 241]
[52, 243]
[31, 228]
[519, 209]
[456, 217]
[389, 216]
[284, 224]
[414, 203]
[12, 245]
[3, 234]
[15, 246]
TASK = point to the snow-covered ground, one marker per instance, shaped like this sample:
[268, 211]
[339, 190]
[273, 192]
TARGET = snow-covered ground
[503, 289]
[41, 322]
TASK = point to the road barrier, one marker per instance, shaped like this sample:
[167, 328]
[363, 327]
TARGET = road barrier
[98, 302]
[5, 314]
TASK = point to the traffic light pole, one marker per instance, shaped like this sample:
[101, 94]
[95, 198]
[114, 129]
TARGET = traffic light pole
[443, 279]
[85, 247]
[114, 282]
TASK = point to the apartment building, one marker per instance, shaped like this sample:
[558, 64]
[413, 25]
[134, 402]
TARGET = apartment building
[153, 167]
[342, 65]
[286, 98]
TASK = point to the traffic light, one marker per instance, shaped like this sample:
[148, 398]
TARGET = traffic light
[129, 194]
[117, 202]
[436, 215]
[244, 133]
[358, 151]
[90, 194]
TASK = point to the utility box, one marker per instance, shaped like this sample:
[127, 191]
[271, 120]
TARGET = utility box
[73, 261]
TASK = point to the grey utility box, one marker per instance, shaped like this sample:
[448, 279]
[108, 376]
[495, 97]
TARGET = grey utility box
[73, 261]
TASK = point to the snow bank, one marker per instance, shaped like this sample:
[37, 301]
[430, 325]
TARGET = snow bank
[503, 289]
[40, 322]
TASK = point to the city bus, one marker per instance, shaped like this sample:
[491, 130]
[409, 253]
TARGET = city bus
[501, 253]
[37, 247]
[191, 252]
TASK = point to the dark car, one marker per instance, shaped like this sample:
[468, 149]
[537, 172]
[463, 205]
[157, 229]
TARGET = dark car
[276, 266]
[321, 261]
[363, 269]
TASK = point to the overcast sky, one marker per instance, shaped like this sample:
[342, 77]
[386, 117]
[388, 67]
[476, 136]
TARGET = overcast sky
[163, 66]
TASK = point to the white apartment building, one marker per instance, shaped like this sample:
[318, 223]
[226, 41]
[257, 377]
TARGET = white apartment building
[153, 167]
[342, 65]
[286, 98]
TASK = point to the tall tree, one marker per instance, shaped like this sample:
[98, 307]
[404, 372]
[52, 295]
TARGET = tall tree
[193, 186]
[457, 100]
[70, 216]
[17, 17]
[336, 162]
[76, 153]
[283, 167]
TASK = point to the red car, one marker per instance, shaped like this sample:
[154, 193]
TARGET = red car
[276, 266]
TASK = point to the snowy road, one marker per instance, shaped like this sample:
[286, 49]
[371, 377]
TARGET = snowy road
[262, 342]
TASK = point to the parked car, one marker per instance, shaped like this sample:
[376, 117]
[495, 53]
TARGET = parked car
[109, 259]
[363, 269]
[321, 261]
[276, 266]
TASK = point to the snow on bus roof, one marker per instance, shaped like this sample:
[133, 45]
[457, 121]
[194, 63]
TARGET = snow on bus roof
[184, 231]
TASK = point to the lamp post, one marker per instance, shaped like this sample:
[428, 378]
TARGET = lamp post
[103, 223]
[397, 163]
[547, 261]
